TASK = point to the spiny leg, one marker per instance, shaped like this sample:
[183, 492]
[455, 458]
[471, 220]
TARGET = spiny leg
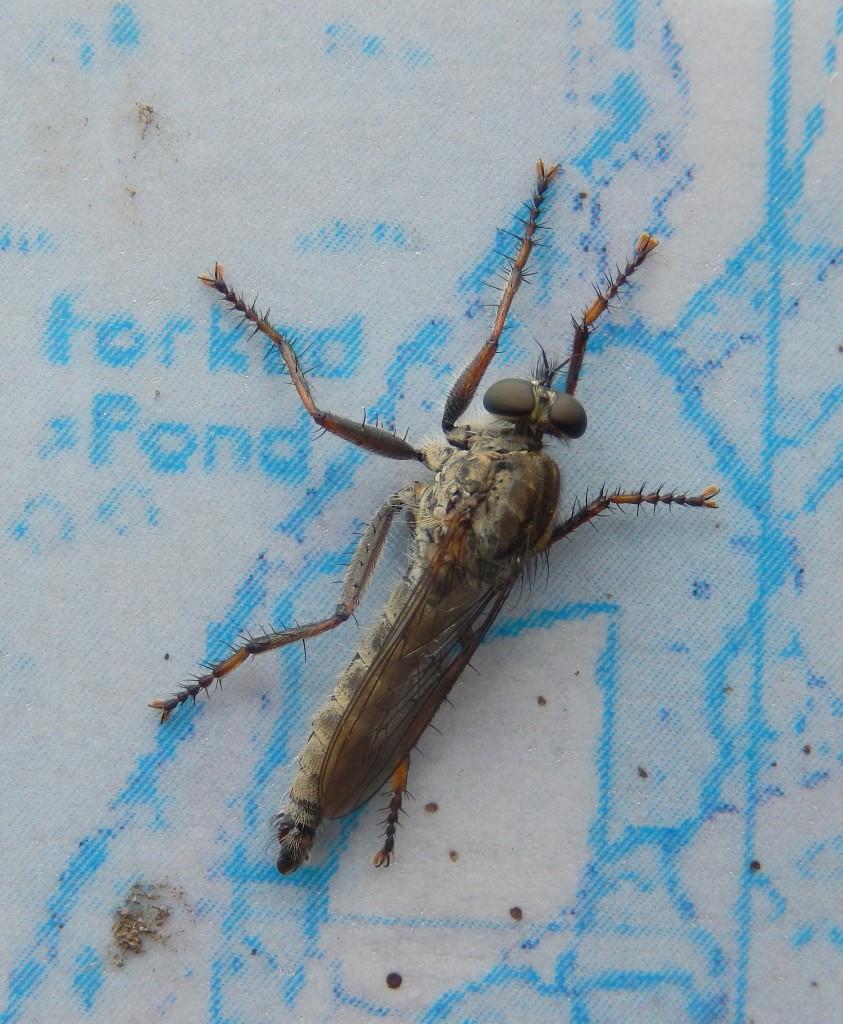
[606, 499]
[372, 438]
[356, 579]
[584, 326]
[398, 786]
[462, 392]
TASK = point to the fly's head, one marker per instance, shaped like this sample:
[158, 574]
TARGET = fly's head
[534, 408]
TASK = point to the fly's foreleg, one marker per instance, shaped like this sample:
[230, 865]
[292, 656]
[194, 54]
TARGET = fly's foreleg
[356, 579]
[372, 438]
[599, 304]
[398, 786]
[618, 499]
[460, 396]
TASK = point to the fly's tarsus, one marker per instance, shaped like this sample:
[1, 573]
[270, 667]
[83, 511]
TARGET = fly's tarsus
[599, 304]
[398, 786]
[605, 500]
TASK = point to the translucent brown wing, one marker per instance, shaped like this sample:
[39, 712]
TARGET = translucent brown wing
[430, 643]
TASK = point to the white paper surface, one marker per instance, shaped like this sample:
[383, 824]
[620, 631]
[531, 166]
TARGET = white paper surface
[668, 821]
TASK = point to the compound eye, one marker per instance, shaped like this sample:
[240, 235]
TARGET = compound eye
[568, 416]
[510, 397]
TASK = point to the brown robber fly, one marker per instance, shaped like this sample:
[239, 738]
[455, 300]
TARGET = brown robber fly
[488, 512]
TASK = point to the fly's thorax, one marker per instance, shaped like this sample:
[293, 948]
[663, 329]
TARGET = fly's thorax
[511, 493]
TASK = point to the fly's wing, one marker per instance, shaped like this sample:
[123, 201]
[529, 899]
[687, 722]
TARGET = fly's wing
[426, 650]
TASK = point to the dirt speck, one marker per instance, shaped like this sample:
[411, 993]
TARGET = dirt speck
[142, 918]
[146, 118]
[393, 980]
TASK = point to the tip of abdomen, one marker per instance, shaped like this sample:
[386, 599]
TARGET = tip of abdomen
[295, 840]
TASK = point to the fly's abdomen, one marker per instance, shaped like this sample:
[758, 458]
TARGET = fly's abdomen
[514, 495]
[295, 826]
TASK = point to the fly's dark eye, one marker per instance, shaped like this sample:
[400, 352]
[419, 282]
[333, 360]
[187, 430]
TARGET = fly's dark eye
[511, 397]
[568, 416]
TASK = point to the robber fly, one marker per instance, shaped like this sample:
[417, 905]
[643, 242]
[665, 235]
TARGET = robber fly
[487, 514]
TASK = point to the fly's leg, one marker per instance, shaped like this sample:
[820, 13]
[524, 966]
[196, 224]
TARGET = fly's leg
[372, 438]
[599, 304]
[356, 579]
[398, 787]
[606, 500]
[463, 390]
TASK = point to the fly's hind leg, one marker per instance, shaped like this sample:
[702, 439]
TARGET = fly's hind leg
[618, 499]
[398, 786]
[295, 827]
[356, 579]
[372, 438]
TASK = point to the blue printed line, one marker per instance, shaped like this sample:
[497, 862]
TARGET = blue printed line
[777, 179]
[124, 32]
[827, 479]
[26, 240]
